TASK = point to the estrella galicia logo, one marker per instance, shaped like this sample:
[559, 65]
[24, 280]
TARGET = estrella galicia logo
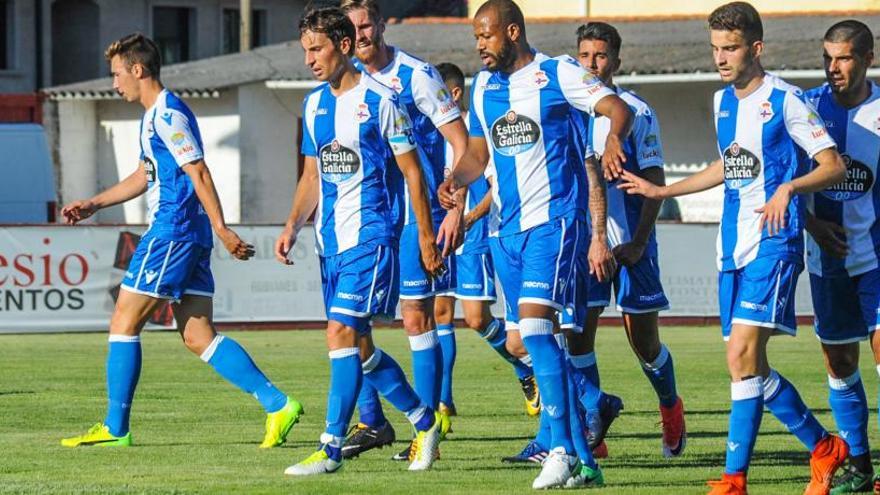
[741, 166]
[338, 163]
[859, 180]
[513, 133]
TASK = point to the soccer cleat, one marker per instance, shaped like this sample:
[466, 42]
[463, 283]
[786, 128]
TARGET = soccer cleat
[279, 423]
[876, 484]
[729, 484]
[407, 453]
[425, 448]
[852, 481]
[362, 438]
[586, 477]
[599, 422]
[829, 454]
[100, 436]
[532, 395]
[533, 452]
[556, 470]
[317, 463]
[601, 451]
[674, 432]
[448, 410]
[445, 425]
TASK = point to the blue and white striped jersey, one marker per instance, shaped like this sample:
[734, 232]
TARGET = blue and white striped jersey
[525, 118]
[354, 138]
[643, 150]
[854, 203]
[764, 140]
[475, 238]
[169, 140]
[429, 105]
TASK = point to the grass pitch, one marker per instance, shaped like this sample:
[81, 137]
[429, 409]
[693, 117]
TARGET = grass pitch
[195, 433]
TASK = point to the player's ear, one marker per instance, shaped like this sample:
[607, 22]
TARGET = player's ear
[513, 32]
[757, 48]
[137, 70]
[456, 93]
[345, 46]
[617, 62]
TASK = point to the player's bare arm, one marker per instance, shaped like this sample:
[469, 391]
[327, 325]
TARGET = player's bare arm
[481, 209]
[829, 171]
[600, 258]
[830, 236]
[131, 187]
[408, 163]
[203, 184]
[451, 233]
[618, 112]
[709, 177]
[305, 200]
[631, 252]
[468, 169]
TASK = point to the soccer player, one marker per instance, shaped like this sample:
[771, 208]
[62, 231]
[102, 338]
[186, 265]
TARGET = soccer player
[638, 292]
[843, 245]
[475, 280]
[436, 120]
[173, 259]
[519, 113]
[765, 128]
[354, 132]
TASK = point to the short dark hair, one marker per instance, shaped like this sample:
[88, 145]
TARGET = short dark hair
[136, 48]
[371, 6]
[451, 74]
[330, 21]
[852, 31]
[738, 16]
[508, 13]
[600, 31]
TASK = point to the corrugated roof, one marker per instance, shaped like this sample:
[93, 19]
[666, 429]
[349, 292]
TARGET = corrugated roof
[649, 47]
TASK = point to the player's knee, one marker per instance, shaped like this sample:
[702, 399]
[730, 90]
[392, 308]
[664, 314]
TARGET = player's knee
[741, 359]
[515, 348]
[842, 360]
[478, 321]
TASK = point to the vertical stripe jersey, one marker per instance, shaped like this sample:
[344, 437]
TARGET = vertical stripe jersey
[476, 237]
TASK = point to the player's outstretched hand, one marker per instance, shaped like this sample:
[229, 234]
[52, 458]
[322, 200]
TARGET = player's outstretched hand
[601, 260]
[236, 247]
[451, 232]
[633, 184]
[613, 158]
[629, 253]
[77, 211]
[446, 194]
[830, 236]
[432, 260]
[284, 244]
[773, 212]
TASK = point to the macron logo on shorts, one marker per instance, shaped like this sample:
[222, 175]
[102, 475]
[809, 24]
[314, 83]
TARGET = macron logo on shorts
[531, 284]
[753, 306]
[350, 297]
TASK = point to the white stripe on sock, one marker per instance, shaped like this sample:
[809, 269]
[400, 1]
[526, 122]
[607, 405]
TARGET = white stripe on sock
[373, 361]
[123, 338]
[747, 389]
[560, 341]
[531, 327]
[491, 330]
[445, 331]
[526, 360]
[423, 342]
[212, 347]
[844, 383]
[343, 353]
[416, 414]
[659, 361]
[331, 440]
[771, 384]
[582, 361]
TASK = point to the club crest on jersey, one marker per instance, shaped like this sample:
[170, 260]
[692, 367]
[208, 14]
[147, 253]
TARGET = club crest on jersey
[859, 180]
[513, 133]
[541, 79]
[362, 114]
[741, 166]
[766, 111]
[338, 163]
[394, 83]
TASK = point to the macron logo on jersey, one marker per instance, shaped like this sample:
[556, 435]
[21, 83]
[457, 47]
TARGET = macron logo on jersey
[166, 117]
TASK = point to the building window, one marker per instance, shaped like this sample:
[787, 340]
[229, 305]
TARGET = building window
[6, 34]
[232, 29]
[174, 32]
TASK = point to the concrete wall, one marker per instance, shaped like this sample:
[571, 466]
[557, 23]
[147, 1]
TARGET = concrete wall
[21, 76]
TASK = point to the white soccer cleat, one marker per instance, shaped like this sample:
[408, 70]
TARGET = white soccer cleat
[556, 470]
[317, 463]
[426, 447]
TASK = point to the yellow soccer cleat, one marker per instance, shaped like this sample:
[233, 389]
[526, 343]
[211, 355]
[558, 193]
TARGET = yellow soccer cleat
[445, 424]
[98, 435]
[425, 448]
[279, 423]
[532, 395]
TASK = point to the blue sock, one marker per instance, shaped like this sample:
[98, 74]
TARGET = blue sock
[446, 335]
[661, 374]
[543, 438]
[345, 381]
[746, 409]
[578, 428]
[782, 399]
[850, 409]
[427, 363]
[548, 361]
[232, 363]
[587, 380]
[496, 336]
[123, 371]
[385, 375]
[332, 445]
[369, 406]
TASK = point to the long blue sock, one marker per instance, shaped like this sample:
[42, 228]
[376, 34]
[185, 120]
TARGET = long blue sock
[232, 362]
[850, 409]
[783, 400]
[543, 438]
[746, 409]
[369, 406]
[123, 371]
[446, 335]
[386, 376]
[661, 374]
[345, 381]
[427, 363]
[578, 428]
[548, 361]
[587, 380]
[496, 336]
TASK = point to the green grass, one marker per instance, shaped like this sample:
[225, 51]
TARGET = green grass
[194, 433]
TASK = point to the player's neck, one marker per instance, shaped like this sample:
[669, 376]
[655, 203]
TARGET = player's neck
[855, 98]
[348, 78]
[524, 56]
[384, 56]
[753, 79]
[150, 90]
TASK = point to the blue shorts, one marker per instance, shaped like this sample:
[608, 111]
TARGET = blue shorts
[537, 266]
[847, 308]
[414, 282]
[360, 283]
[169, 269]
[637, 289]
[574, 315]
[475, 277]
[759, 294]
